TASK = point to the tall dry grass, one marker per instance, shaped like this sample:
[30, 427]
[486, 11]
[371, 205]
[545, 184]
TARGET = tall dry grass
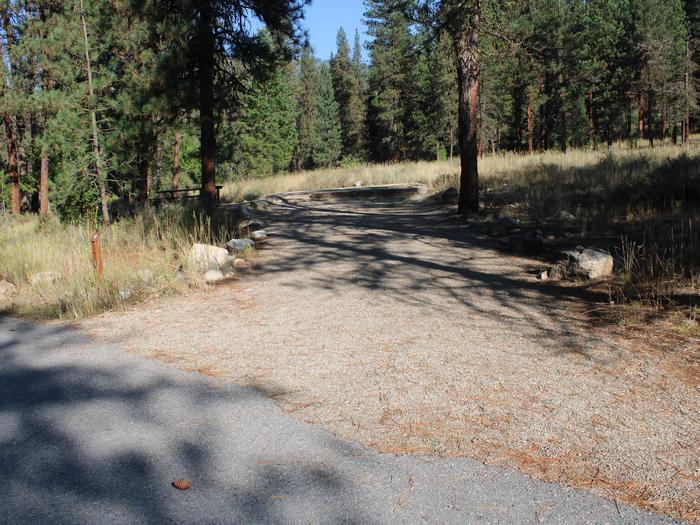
[145, 256]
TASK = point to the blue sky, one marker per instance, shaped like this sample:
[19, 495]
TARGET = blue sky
[325, 17]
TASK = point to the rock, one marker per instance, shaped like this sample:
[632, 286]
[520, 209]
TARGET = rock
[508, 222]
[525, 245]
[240, 245]
[259, 236]
[204, 256]
[359, 183]
[7, 289]
[44, 278]
[213, 276]
[450, 196]
[544, 276]
[566, 216]
[124, 295]
[228, 264]
[240, 263]
[590, 262]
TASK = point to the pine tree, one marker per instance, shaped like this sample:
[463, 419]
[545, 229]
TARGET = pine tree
[348, 91]
[267, 126]
[328, 147]
[392, 81]
[307, 109]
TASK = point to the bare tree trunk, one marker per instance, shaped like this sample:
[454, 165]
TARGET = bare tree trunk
[44, 183]
[93, 118]
[530, 126]
[466, 35]
[206, 106]
[686, 87]
[591, 125]
[452, 144]
[650, 116]
[176, 161]
[12, 166]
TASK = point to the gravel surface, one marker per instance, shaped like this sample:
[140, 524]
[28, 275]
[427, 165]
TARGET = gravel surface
[90, 434]
[408, 333]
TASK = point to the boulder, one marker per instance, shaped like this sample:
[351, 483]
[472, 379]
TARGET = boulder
[204, 256]
[259, 235]
[213, 276]
[240, 245]
[228, 264]
[450, 196]
[359, 183]
[240, 263]
[43, 278]
[590, 262]
[7, 289]
[566, 216]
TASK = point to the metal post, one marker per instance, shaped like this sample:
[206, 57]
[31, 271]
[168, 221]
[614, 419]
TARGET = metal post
[97, 256]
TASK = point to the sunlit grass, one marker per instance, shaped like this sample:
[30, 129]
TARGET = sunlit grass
[51, 266]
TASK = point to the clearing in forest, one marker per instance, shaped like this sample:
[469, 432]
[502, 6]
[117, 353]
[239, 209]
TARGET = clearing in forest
[411, 333]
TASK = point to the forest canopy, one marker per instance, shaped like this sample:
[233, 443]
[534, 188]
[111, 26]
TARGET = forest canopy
[113, 100]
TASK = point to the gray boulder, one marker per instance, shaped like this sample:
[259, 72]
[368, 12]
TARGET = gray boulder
[205, 257]
[590, 262]
[259, 235]
[240, 245]
[213, 276]
[450, 196]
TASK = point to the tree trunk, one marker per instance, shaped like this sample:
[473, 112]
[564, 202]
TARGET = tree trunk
[518, 117]
[650, 119]
[466, 37]
[176, 161]
[12, 166]
[530, 126]
[591, 124]
[44, 184]
[206, 107]
[641, 118]
[93, 119]
[143, 161]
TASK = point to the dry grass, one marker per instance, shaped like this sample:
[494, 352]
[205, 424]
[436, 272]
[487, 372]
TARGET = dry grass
[51, 263]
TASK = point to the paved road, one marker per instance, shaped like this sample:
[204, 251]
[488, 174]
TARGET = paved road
[91, 434]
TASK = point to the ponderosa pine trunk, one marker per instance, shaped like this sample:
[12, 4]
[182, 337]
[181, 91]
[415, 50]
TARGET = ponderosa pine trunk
[530, 126]
[12, 165]
[206, 106]
[466, 37]
[176, 161]
[44, 184]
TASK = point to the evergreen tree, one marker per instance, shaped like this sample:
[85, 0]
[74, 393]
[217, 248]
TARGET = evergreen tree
[347, 86]
[267, 127]
[328, 147]
[392, 82]
[307, 109]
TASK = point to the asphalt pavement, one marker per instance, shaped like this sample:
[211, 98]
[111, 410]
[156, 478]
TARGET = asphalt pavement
[91, 434]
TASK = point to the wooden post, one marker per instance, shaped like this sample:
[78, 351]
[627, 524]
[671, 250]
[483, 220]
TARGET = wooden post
[97, 256]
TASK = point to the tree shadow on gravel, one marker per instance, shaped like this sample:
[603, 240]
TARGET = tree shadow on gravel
[100, 443]
[419, 256]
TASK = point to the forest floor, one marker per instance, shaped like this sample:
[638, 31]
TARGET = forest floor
[410, 333]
